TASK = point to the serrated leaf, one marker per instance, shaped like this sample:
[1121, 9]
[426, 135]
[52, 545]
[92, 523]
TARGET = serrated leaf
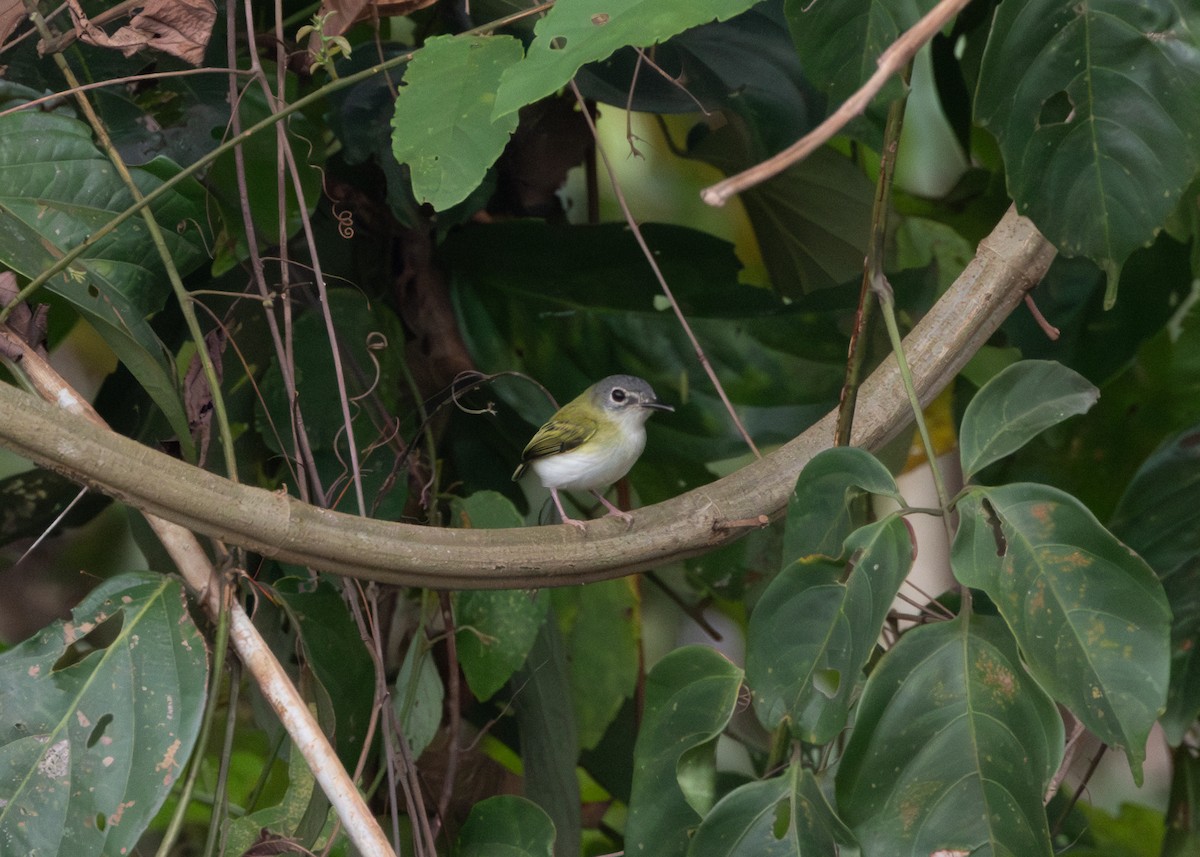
[787, 816]
[1090, 616]
[816, 625]
[283, 819]
[442, 126]
[952, 748]
[1015, 406]
[1097, 109]
[690, 696]
[825, 506]
[506, 826]
[58, 189]
[91, 741]
[575, 32]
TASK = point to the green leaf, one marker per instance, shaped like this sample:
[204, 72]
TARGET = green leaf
[787, 815]
[506, 826]
[1090, 617]
[495, 628]
[952, 748]
[1015, 406]
[334, 651]
[812, 220]
[575, 32]
[1097, 109]
[442, 127]
[282, 819]
[826, 506]
[418, 696]
[58, 189]
[98, 716]
[549, 749]
[840, 43]
[1182, 838]
[816, 625]
[690, 696]
[1159, 513]
[1182, 586]
[601, 627]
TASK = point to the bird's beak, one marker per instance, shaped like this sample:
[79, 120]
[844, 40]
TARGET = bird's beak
[658, 406]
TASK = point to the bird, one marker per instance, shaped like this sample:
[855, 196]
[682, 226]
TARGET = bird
[592, 441]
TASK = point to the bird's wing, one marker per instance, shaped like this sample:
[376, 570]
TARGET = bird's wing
[553, 438]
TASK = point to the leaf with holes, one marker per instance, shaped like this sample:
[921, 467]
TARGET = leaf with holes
[816, 625]
[98, 716]
[787, 815]
[690, 696]
[1089, 615]
[1097, 109]
[443, 127]
[577, 32]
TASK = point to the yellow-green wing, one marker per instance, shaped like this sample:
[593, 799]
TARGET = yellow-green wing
[555, 437]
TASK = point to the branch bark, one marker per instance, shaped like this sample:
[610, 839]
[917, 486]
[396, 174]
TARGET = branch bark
[1007, 264]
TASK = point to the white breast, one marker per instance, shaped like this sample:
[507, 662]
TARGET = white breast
[583, 470]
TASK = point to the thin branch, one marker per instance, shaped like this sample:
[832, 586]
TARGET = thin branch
[890, 62]
[662, 281]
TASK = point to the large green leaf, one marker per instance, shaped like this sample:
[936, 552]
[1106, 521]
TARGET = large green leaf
[1157, 517]
[1182, 585]
[1015, 406]
[1090, 616]
[576, 32]
[98, 716]
[816, 625]
[952, 749]
[787, 816]
[549, 749]
[341, 668]
[495, 628]
[442, 127]
[56, 189]
[1159, 513]
[829, 501]
[812, 221]
[601, 627]
[1097, 109]
[840, 43]
[506, 826]
[419, 695]
[690, 696]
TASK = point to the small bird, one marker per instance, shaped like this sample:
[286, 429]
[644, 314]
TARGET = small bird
[592, 441]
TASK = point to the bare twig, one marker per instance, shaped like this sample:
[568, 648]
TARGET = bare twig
[891, 61]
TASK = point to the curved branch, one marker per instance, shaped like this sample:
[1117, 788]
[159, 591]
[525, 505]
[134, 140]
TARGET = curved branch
[1008, 263]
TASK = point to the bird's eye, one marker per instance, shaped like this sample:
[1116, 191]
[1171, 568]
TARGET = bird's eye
[618, 395]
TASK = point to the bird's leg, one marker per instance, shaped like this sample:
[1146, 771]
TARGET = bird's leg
[613, 510]
[566, 519]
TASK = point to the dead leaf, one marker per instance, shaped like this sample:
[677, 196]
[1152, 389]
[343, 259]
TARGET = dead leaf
[12, 13]
[180, 28]
[197, 395]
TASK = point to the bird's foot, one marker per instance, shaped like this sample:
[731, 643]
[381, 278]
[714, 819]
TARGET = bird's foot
[614, 511]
